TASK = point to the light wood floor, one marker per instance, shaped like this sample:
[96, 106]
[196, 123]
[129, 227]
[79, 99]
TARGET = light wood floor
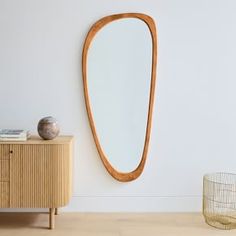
[106, 224]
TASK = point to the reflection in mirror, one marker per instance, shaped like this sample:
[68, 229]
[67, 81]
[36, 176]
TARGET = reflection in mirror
[119, 79]
[119, 75]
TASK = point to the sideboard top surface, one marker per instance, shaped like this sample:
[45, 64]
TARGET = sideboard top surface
[37, 140]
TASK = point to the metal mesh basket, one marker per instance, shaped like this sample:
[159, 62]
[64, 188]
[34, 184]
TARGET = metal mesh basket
[219, 200]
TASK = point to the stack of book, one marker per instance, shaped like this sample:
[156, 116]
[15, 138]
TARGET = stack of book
[14, 135]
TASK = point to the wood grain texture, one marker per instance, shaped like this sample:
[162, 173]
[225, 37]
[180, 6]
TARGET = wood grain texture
[51, 218]
[36, 174]
[4, 170]
[4, 150]
[120, 176]
[109, 224]
[4, 195]
[40, 176]
[4, 176]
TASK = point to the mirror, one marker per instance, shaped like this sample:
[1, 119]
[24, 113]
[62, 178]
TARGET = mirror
[116, 67]
[119, 63]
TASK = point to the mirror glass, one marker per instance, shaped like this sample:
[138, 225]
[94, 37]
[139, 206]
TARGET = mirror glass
[119, 78]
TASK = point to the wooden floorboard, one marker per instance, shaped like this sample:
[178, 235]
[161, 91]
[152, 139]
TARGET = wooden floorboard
[108, 224]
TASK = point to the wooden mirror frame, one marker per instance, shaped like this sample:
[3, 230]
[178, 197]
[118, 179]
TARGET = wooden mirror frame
[121, 176]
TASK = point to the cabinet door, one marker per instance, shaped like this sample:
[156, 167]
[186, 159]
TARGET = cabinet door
[4, 152]
[4, 175]
[4, 195]
[40, 175]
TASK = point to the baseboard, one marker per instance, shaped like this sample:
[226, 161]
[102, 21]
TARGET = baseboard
[135, 204]
[127, 204]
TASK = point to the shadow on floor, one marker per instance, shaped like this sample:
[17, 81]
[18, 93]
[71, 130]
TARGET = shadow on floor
[24, 220]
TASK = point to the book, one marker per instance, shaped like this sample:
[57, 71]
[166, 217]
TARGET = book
[14, 135]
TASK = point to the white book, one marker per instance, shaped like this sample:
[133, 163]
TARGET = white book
[13, 134]
[13, 139]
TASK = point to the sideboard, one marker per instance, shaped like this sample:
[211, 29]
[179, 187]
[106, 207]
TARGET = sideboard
[36, 174]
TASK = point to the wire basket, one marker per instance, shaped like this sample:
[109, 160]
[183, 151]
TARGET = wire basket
[219, 200]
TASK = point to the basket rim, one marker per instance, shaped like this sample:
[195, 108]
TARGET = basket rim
[207, 176]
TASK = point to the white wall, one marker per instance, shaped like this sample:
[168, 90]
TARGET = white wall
[194, 126]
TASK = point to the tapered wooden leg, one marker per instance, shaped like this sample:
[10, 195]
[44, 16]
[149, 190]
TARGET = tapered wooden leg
[56, 211]
[51, 218]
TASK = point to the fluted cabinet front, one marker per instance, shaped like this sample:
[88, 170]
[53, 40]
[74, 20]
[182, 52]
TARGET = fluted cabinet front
[40, 176]
[4, 176]
[35, 174]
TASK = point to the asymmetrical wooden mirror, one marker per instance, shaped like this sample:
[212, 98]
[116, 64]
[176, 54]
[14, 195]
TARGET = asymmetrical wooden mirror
[119, 74]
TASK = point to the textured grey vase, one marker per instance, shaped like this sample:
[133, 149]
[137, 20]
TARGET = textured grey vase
[48, 128]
